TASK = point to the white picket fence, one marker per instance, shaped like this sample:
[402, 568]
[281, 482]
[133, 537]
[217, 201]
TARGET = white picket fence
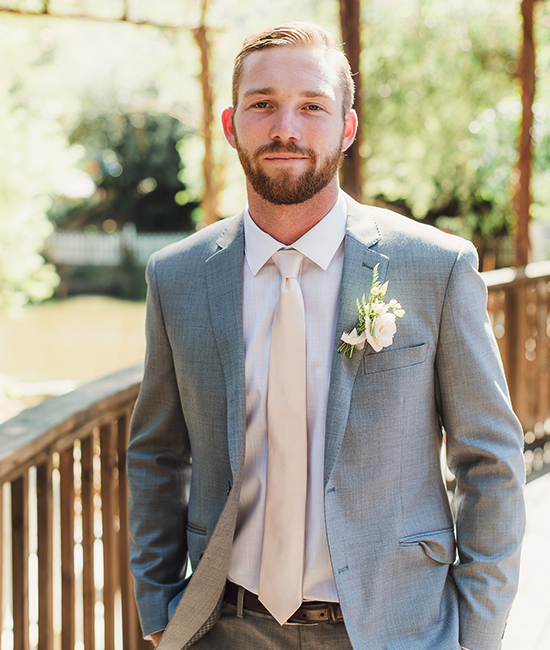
[102, 249]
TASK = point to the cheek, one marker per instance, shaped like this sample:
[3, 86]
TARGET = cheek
[252, 136]
[326, 139]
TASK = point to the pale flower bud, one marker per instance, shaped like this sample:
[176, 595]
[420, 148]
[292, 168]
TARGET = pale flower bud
[380, 308]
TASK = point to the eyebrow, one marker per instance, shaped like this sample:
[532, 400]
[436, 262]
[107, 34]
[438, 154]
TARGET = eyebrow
[269, 90]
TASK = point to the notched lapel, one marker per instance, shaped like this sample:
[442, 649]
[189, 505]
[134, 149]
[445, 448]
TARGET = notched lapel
[359, 262]
[224, 281]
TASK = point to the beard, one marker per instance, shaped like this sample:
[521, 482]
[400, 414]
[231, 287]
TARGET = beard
[286, 189]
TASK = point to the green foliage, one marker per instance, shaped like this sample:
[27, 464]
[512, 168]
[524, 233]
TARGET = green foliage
[441, 114]
[134, 163]
[82, 101]
[54, 72]
[541, 128]
[34, 162]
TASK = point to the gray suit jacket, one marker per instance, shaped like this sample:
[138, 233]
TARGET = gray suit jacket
[409, 576]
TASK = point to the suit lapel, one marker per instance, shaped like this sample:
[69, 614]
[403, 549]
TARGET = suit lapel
[224, 281]
[359, 261]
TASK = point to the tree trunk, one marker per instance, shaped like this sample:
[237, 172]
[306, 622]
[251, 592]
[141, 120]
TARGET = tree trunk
[211, 196]
[522, 176]
[350, 24]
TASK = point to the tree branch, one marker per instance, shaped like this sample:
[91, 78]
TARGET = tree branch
[122, 19]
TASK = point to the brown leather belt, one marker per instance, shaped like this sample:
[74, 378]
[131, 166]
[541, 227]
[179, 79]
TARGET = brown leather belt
[311, 611]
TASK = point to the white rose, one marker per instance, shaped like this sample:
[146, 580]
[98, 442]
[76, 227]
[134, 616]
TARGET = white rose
[384, 330]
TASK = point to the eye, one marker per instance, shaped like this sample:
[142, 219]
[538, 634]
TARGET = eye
[313, 107]
[261, 105]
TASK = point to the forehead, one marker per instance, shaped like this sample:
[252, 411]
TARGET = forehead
[291, 70]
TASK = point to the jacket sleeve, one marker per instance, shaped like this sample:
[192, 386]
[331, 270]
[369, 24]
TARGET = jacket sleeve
[159, 471]
[484, 451]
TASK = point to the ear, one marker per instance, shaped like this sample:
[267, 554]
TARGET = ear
[227, 122]
[350, 129]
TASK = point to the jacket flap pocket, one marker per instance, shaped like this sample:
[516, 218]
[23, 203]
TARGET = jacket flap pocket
[195, 529]
[394, 359]
[437, 544]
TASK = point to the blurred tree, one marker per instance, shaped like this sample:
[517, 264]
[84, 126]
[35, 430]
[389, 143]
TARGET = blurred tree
[351, 173]
[540, 132]
[211, 168]
[35, 162]
[524, 167]
[440, 99]
[134, 162]
[441, 113]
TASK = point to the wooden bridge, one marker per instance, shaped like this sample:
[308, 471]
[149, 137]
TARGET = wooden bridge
[64, 578]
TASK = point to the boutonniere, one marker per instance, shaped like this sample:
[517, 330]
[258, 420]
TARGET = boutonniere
[376, 323]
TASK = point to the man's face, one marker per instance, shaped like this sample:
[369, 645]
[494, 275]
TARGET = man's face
[288, 128]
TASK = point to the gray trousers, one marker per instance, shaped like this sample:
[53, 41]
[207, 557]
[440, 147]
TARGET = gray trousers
[245, 630]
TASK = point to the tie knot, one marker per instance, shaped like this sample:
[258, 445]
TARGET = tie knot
[288, 262]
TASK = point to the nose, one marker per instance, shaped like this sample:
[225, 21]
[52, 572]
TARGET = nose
[286, 126]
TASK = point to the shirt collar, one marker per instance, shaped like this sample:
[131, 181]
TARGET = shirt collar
[319, 244]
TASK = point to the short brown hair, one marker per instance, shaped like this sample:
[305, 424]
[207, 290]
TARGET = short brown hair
[296, 34]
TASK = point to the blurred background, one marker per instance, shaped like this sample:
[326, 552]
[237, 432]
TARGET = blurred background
[111, 147]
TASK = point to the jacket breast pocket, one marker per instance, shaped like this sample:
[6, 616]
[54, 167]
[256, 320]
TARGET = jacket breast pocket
[394, 359]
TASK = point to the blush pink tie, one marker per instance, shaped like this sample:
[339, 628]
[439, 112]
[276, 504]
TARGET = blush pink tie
[282, 564]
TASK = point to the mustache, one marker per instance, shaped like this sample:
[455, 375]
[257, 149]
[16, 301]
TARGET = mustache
[280, 147]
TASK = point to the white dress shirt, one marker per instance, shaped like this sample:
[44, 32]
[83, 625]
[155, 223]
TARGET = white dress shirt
[321, 273]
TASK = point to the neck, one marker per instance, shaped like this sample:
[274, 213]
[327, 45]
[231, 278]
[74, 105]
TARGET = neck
[287, 223]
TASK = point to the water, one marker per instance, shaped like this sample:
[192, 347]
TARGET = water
[65, 343]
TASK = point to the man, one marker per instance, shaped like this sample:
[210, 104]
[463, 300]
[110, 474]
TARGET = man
[299, 473]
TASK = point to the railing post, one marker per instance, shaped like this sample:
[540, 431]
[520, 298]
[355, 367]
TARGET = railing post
[66, 471]
[516, 334]
[129, 613]
[20, 561]
[88, 585]
[44, 491]
[542, 404]
[110, 556]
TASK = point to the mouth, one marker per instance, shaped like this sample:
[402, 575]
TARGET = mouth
[286, 155]
[285, 158]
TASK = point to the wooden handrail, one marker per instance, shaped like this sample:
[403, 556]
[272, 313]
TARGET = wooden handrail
[72, 451]
[57, 422]
[503, 278]
[519, 307]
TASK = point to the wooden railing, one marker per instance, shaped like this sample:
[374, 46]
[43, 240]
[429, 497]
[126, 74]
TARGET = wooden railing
[64, 575]
[519, 306]
[102, 249]
[64, 521]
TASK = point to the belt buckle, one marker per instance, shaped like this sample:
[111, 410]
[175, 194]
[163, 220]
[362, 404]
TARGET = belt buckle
[334, 614]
